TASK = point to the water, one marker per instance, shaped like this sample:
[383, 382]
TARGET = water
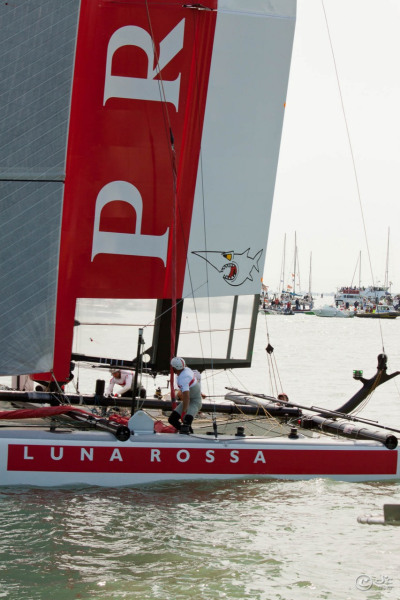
[224, 540]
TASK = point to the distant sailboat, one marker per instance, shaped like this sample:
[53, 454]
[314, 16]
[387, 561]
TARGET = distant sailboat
[299, 302]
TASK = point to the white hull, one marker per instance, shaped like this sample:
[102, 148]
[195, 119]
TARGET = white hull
[331, 311]
[272, 311]
[364, 295]
[380, 312]
[42, 458]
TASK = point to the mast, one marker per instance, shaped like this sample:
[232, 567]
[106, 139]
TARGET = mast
[386, 282]
[358, 263]
[295, 265]
[282, 281]
[173, 277]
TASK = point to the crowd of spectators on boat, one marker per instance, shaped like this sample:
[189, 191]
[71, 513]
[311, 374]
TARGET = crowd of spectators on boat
[367, 306]
[284, 304]
[287, 304]
[351, 290]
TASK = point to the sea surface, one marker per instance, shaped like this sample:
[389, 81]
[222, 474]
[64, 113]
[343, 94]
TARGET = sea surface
[260, 540]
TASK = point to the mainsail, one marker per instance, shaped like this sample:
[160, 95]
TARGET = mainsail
[175, 122]
[37, 48]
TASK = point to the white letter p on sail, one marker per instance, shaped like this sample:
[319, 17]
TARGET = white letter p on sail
[130, 244]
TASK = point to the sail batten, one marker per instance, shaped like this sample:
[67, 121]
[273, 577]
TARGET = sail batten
[32, 175]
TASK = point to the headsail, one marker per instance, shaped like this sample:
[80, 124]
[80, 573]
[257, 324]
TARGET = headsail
[174, 107]
[37, 48]
[240, 147]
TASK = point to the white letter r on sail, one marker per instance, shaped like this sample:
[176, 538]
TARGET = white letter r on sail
[143, 88]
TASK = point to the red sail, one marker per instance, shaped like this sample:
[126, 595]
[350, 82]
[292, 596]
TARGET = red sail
[141, 76]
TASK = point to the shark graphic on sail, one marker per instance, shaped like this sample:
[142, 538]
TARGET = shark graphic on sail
[235, 267]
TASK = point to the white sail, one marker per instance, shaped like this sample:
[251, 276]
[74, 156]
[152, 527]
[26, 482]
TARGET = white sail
[240, 147]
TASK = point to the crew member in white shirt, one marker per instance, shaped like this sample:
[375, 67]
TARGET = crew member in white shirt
[190, 393]
[122, 378]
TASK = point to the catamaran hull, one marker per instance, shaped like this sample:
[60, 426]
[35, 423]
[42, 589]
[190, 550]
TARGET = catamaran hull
[54, 459]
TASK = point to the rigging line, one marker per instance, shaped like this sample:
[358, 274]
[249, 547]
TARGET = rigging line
[366, 400]
[171, 146]
[236, 378]
[271, 361]
[163, 103]
[260, 406]
[387, 282]
[201, 172]
[352, 154]
[173, 160]
[281, 285]
[278, 376]
[298, 269]
[150, 323]
[354, 274]
[77, 337]
[396, 386]
[273, 386]
[275, 374]
[271, 375]
[359, 408]
[185, 241]
[215, 330]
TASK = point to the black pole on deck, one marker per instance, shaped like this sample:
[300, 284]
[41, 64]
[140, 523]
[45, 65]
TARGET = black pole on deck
[135, 381]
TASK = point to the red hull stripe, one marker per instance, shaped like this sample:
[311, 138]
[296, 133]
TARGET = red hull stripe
[88, 459]
[37, 413]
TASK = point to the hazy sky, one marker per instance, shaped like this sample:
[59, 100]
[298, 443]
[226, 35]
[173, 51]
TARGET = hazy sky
[339, 165]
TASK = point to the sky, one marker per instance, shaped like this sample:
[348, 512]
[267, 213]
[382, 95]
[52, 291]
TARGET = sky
[338, 181]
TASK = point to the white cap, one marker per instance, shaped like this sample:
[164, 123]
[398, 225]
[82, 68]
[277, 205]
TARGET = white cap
[178, 363]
